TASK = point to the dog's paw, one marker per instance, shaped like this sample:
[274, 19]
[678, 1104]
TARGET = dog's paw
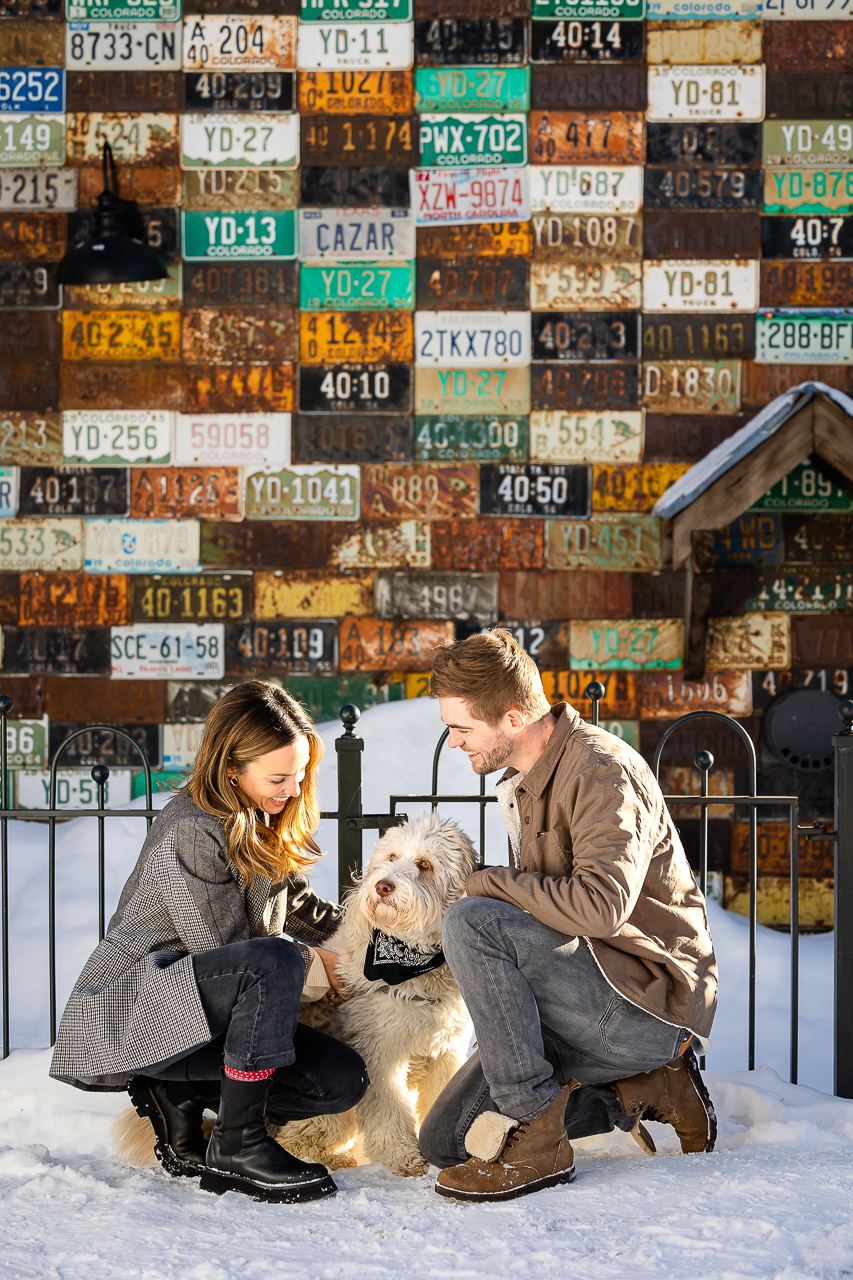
[409, 1166]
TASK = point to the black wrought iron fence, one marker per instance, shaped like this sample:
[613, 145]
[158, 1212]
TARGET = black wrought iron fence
[352, 822]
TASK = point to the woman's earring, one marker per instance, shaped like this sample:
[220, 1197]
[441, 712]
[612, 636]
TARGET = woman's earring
[233, 780]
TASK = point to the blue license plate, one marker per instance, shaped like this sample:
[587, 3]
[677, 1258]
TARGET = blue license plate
[32, 89]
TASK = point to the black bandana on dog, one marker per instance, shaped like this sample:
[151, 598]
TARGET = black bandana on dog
[393, 962]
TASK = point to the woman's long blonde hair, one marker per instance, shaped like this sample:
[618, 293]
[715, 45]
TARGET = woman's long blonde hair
[247, 722]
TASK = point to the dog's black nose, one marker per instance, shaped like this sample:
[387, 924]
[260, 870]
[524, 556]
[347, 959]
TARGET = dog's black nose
[384, 887]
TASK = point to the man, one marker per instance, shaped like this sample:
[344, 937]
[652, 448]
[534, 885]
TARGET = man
[587, 964]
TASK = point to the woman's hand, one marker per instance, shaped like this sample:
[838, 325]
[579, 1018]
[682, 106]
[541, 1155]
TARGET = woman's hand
[330, 960]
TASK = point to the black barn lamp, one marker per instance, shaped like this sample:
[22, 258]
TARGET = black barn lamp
[115, 251]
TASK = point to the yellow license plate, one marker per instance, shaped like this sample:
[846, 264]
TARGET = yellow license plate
[121, 335]
[334, 93]
[330, 337]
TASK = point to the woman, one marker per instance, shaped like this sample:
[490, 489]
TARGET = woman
[194, 979]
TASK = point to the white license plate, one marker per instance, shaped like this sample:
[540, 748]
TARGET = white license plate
[704, 10]
[317, 492]
[383, 46]
[236, 42]
[261, 140]
[470, 195]
[54, 545]
[73, 787]
[111, 436]
[584, 286]
[22, 189]
[133, 136]
[610, 436]
[806, 10]
[168, 652]
[700, 286]
[588, 189]
[471, 339]
[123, 46]
[180, 744]
[791, 337]
[233, 440]
[722, 92]
[141, 546]
[8, 492]
[343, 234]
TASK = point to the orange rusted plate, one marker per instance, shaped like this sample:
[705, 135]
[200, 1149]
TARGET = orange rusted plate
[25, 42]
[255, 388]
[761, 383]
[621, 692]
[683, 43]
[117, 386]
[488, 544]
[633, 487]
[566, 137]
[820, 284]
[421, 493]
[369, 644]
[137, 138]
[186, 493]
[333, 93]
[75, 600]
[99, 697]
[816, 857]
[161, 186]
[666, 697]
[482, 239]
[808, 46]
[42, 237]
[370, 337]
[312, 595]
[251, 335]
[529, 593]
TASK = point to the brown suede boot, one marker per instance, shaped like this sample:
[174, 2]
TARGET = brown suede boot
[511, 1158]
[676, 1095]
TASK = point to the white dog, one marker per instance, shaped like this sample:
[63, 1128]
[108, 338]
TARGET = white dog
[412, 1031]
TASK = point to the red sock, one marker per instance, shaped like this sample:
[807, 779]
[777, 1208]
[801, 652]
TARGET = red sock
[232, 1074]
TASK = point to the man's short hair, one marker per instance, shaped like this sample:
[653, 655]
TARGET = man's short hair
[491, 673]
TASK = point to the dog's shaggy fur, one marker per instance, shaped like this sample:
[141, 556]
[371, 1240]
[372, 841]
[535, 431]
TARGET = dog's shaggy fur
[414, 1036]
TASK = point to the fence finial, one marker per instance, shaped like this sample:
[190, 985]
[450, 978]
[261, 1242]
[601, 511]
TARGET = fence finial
[5, 704]
[704, 760]
[350, 717]
[845, 711]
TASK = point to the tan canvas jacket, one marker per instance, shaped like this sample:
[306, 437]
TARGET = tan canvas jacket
[600, 859]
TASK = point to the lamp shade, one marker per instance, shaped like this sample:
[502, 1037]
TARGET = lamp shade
[110, 256]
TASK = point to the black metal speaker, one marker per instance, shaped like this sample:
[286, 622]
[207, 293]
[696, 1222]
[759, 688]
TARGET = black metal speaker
[798, 728]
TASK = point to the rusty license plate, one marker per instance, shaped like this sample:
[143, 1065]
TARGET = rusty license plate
[356, 337]
[327, 93]
[586, 41]
[55, 651]
[585, 286]
[819, 590]
[368, 644]
[74, 600]
[41, 544]
[312, 595]
[621, 691]
[138, 138]
[724, 143]
[304, 493]
[767, 685]
[121, 335]
[484, 239]
[609, 88]
[691, 187]
[245, 388]
[465, 597]
[487, 544]
[30, 386]
[250, 336]
[788, 284]
[116, 386]
[123, 90]
[557, 436]
[30, 439]
[405, 545]
[24, 43]
[31, 335]
[759, 641]
[186, 493]
[625, 644]
[470, 42]
[587, 237]
[633, 487]
[763, 382]
[355, 388]
[241, 188]
[472, 390]
[147, 186]
[359, 139]
[613, 542]
[539, 489]
[281, 648]
[684, 42]
[25, 284]
[260, 544]
[472, 284]
[39, 236]
[192, 597]
[821, 640]
[684, 336]
[819, 46]
[592, 335]
[608, 385]
[702, 235]
[569, 137]
[443, 492]
[100, 745]
[223, 284]
[232, 42]
[147, 295]
[457, 437]
[73, 491]
[240, 90]
[337, 188]
[685, 386]
[665, 697]
[816, 539]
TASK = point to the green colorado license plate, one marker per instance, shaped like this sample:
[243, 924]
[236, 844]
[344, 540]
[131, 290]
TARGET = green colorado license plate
[256, 233]
[368, 286]
[472, 89]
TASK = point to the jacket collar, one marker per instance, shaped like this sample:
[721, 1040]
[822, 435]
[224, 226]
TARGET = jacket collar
[537, 778]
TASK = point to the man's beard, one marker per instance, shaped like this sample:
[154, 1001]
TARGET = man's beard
[494, 759]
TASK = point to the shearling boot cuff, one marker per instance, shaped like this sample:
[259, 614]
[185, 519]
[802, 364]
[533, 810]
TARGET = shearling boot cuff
[487, 1135]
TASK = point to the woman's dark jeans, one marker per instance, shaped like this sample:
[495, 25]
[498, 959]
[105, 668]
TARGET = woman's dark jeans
[250, 994]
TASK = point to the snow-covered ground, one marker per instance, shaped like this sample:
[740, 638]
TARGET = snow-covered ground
[773, 1200]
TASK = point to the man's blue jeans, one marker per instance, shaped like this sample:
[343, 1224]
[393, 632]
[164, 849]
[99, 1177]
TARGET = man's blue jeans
[543, 1013]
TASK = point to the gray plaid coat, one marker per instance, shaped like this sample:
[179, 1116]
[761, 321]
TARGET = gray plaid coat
[136, 1003]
